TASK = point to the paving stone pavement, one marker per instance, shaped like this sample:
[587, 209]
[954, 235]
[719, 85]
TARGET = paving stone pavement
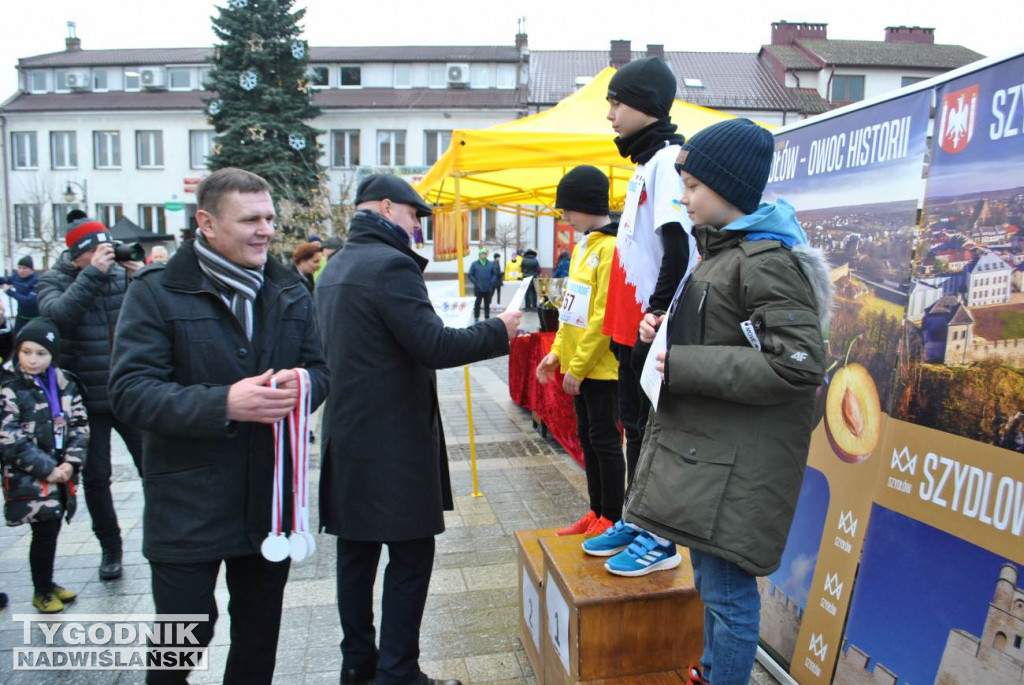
[469, 627]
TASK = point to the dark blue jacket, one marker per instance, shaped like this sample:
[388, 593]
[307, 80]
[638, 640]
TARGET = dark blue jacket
[24, 291]
[208, 483]
[484, 277]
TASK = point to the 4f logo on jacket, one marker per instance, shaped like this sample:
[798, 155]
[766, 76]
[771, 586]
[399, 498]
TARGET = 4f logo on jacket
[798, 356]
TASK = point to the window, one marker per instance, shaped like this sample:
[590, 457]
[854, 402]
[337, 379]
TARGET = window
[485, 217]
[131, 79]
[200, 145]
[344, 149]
[206, 78]
[911, 80]
[391, 148]
[39, 81]
[506, 76]
[106, 147]
[351, 77]
[1016, 642]
[24, 154]
[63, 150]
[99, 79]
[179, 78]
[62, 81]
[152, 218]
[149, 149]
[693, 83]
[847, 88]
[427, 224]
[26, 222]
[438, 76]
[479, 76]
[60, 215]
[319, 77]
[109, 214]
[403, 76]
[435, 143]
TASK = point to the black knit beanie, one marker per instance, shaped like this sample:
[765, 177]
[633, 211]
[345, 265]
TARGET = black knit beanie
[584, 189]
[733, 158]
[27, 261]
[644, 84]
[42, 332]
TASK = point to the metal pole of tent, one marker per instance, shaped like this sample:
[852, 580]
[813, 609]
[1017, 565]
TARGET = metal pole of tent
[465, 369]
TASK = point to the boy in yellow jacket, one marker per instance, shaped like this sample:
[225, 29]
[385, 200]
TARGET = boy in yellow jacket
[582, 351]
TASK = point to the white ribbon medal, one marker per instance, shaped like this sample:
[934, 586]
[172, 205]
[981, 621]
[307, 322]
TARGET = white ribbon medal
[275, 547]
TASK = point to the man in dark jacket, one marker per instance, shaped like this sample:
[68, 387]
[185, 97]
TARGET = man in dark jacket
[531, 267]
[484, 277]
[21, 287]
[83, 293]
[384, 477]
[197, 344]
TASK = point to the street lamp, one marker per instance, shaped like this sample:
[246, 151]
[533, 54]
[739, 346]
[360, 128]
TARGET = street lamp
[70, 195]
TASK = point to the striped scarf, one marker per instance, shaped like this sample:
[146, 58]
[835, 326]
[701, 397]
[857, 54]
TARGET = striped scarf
[238, 286]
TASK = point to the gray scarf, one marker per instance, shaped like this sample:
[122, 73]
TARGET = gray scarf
[237, 285]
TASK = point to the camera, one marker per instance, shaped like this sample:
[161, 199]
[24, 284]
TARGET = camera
[129, 252]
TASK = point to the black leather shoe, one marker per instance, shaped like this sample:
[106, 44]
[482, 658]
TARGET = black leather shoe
[438, 681]
[353, 676]
[110, 565]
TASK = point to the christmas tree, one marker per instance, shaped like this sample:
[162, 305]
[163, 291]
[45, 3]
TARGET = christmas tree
[262, 105]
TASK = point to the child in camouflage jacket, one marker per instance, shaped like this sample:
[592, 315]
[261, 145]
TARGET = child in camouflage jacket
[44, 435]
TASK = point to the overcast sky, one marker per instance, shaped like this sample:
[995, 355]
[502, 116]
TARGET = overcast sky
[33, 27]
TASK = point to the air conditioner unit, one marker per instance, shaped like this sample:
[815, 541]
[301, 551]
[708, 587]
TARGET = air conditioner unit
[153, 78]
[77, 80]
[458, 74]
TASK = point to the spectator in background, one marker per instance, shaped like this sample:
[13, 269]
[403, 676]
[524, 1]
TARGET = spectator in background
[158, 254]
[531, 267]
[306, 260]
[21, 287]
[484, 277]
[501, 277]
[562, 268]
[330, 247]
[514, 268]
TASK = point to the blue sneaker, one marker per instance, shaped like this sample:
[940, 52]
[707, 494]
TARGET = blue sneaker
[644, 556]
[611, 541]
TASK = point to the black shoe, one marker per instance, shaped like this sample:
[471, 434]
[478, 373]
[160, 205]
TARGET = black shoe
[424, 680]
[353, 676]
[110, 565]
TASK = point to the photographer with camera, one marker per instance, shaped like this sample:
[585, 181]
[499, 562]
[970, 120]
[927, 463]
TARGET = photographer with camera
[83, 293]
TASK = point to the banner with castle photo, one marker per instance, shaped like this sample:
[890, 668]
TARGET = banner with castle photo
[939, 597]
[856, 182]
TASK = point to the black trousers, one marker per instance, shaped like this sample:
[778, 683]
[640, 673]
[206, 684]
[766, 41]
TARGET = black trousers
[257, 592]
[530, 301]
[497, 292]
[486, 299]
[406, 580]
[634, 407]
[96, 475]
[41, 553]
[597, 419]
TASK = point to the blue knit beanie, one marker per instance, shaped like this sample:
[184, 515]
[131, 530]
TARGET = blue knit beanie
[733, 158]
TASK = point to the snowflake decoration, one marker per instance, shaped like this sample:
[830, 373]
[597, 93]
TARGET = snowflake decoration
[248, 80]
[298, 50]
[296, 141]
[238, 4]
[214, 108]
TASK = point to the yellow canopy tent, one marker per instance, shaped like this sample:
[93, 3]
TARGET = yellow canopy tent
[516, 166]
[519, 163]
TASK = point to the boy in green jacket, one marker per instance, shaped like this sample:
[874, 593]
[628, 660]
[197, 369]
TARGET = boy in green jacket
[721, 467]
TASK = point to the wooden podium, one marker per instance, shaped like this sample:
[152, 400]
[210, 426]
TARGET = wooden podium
[605, 627]
[580, 624]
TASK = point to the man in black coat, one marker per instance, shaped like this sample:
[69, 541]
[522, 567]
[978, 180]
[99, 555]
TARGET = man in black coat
[384, 477]
[198, 341]
[83, 294]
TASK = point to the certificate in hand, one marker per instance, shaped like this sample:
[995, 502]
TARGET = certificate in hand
[517, 300]
[650, 379]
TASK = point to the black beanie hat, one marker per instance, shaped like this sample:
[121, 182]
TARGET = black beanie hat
[27, 261]
[42, 332]
[584, 189]
[645, 84]
[733, 158]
